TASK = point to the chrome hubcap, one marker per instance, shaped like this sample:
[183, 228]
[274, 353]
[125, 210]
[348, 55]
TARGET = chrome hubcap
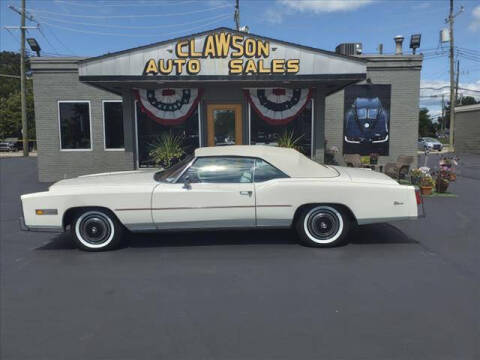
[323, 224]
[95, 228]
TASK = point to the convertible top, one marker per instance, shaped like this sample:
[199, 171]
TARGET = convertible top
[290, 161]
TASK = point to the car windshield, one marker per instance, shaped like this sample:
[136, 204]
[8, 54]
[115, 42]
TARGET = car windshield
[430, 139]
[169, 175]
[362, 113]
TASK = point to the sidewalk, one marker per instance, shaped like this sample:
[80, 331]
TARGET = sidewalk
[16, 154]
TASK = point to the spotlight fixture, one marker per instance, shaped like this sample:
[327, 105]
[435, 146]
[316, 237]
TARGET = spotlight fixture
[415, 42]
[34, 45]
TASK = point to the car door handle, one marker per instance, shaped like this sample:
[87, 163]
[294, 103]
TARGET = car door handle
[249, 193]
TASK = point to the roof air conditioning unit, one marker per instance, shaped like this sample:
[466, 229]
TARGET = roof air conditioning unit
[349, 49]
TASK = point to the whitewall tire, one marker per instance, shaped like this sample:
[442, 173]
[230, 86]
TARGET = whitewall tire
[322, 226]
[96, 230]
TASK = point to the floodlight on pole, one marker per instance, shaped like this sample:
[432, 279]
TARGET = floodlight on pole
[34, 45]
[415, 42]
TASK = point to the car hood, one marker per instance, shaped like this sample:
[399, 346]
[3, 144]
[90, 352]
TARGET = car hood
[118, 178]
[362, 175]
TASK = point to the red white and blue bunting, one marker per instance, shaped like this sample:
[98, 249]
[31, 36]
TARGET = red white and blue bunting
[168, 106]
[278, 106]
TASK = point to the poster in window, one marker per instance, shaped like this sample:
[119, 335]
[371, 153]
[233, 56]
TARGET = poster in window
[366, 127]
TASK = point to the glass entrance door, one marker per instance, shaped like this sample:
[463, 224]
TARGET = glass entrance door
[224, 124]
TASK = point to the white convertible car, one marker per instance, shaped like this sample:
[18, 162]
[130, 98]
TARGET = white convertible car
[222, 187]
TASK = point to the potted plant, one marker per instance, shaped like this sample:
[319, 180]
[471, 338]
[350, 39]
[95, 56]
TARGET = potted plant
[441, 184]
[449, 165]
[167, 150]
[365, 160]
[442, 180]
[415, 176]
[288, 140]
[426, 185]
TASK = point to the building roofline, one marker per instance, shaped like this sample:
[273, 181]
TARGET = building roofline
[465, 108]
[148, 46]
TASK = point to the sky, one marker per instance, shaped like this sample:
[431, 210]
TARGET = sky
[96, 27]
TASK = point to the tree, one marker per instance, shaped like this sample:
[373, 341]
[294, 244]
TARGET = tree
[467, 100]
[425, 124]
[11, 117]
[10, 104]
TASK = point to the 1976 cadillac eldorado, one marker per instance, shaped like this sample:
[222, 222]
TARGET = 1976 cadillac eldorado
[237, 186]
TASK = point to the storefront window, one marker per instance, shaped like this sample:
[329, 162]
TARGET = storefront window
[74, 120]
[150, 132]
[297, 130]
[113, 123]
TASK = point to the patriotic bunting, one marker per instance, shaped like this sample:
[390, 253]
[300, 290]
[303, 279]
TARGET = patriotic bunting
[168, 106]
[278, 106]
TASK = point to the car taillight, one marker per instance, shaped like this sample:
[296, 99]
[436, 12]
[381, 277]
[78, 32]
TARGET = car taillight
[418, 196]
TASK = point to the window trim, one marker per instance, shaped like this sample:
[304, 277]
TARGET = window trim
[104, 127]
[137, 156]
[312, 135]
[60, 125]
[312, 125]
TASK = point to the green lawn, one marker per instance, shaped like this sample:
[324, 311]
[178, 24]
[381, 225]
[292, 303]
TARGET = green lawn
[434, 193]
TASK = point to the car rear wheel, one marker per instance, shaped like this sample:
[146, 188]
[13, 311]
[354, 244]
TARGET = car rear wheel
[96, 230]
[322, 226]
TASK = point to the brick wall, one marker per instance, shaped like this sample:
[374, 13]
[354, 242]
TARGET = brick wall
[59, 81]
[403, 73]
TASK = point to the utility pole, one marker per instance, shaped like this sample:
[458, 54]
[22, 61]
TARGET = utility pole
[23, 88]
[442, 124]
[22, 84]
[452, 59]
[236, 16]
[456, 81]
[450, 20]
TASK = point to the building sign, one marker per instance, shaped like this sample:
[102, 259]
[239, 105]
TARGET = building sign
[245, 55]
[366, 127]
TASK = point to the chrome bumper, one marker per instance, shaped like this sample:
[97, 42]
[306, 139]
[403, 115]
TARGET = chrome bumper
[24, 227]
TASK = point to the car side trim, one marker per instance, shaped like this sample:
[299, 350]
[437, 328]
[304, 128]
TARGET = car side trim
[383, 220]
[200, 207]
[53, 229]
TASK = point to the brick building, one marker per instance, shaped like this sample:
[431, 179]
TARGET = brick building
[215, 88]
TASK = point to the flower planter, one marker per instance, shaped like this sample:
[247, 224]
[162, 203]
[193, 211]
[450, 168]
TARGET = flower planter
[415, 180]
[441, 185]
[426, 190]
[453, 176]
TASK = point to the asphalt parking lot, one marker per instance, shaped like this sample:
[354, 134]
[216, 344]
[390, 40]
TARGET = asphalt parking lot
[407, 290]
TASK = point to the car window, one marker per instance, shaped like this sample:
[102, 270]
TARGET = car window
[220, 169]
[264, 171]
[170, 174]
[372, 113]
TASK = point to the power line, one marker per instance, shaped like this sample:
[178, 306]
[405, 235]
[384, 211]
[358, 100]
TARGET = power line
[446, 87]
[13, 36]
[469, 57]
[129, 35]
[35, 11]
[60, 41]
[48, 41]
[224, 15]
[468, 50]
[125, 4]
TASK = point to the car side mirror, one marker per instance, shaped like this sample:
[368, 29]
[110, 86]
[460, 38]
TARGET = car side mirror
[187, 183]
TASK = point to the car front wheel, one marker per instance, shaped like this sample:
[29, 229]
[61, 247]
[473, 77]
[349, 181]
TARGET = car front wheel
[322, 226]
[96, 230]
